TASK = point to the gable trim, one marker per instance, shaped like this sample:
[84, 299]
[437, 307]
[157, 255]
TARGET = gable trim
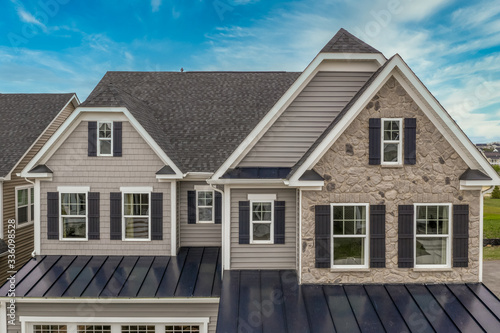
[74, 120]
[357, 107]
[281, 105]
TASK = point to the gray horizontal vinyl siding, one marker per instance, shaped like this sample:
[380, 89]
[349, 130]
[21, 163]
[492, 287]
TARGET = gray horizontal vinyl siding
[200, 234]
[305, 119]
[264, 256]
[137, 167]
[91, 311]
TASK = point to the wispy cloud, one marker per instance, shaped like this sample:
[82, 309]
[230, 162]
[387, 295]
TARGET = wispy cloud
[29, 18]
[155, 5]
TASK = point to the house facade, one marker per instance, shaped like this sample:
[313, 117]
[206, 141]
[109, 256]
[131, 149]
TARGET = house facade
[27, 122]
[320, 201]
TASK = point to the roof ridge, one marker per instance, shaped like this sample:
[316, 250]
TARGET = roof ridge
[345, 42]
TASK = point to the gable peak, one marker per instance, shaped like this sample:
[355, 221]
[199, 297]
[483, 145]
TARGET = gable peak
[345, 42]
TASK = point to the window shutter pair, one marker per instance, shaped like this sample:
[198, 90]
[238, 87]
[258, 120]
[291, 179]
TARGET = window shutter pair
[409, 138]
[460, 243]
[279, 222]
[93, 141]
[323, 236]
[115, 213]
[192, 207]
[93, 217]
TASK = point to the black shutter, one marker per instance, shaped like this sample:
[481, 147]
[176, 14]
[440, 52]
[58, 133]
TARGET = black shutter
[322, 236]
[244, 217]
[52, 215]
[115, 213]
[405, 236]
[410, 139]
[279, 222]
[157, 216]
[461, 235]
[218, 207]
[191, 207]
[374, 144]
[92, 146]
[94, 212]
[117, 138]
[377, 236]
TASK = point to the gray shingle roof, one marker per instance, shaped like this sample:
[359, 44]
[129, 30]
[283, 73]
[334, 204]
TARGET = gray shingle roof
[23, 118]
[197, 118]
[345, 42]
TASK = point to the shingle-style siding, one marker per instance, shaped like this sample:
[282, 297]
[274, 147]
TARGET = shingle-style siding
[305, 119]
[90, 312]
[199, 234]
[24, 235]
[137, 167]
[264, 256]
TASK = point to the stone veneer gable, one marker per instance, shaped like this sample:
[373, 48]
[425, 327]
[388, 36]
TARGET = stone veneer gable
[350, 179]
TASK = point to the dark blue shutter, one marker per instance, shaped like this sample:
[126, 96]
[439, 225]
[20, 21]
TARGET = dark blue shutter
[157, 216]
[191, 207]
[115, 213]
[377, 236]
[323, 236]
[374, 141]
[52, 215]
[117, 138]
[279, 222]
[94, 213]
[410, 139]
[218, 207]
[244, 222]
[92, 139]
[460, 235]
[405, 236]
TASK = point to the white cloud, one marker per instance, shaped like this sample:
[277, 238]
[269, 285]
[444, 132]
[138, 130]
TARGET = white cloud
[155, 4]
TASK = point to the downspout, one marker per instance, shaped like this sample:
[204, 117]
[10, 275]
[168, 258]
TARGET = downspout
[33, 254]
[222, 228]
[481, 232]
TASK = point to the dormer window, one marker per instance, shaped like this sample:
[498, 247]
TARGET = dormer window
[105, 139]
[391, 141]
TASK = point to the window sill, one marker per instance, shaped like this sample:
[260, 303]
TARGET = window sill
[350, 270]
[444, 269]
[24, 225]
[392, 166]
[73, 240]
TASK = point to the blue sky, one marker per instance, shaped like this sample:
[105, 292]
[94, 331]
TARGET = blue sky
[68, 45]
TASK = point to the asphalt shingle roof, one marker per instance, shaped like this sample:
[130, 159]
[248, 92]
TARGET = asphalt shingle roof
[345, 42]
[197, 118]
[23, 118]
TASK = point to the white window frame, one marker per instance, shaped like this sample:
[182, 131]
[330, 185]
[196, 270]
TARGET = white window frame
[104, 139]
[198, 207]
[365, 236]
[448, 237]
[28, 322]
[398, 142]
[271, 223]
[138, 190]
[74, 190]
[31, 213]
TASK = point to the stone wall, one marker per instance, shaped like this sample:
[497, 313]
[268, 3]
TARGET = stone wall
[349, 179]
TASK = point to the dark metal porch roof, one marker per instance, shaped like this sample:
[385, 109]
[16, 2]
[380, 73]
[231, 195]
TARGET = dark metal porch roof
[272, 301]
[194, 272]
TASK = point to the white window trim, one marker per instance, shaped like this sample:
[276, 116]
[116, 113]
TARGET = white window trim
[76, 190]
[448, 237]
[99, 139]
[31, 213]
[399, 142]
[137, 190]
[366, 236]
[271, 240]
[258, 197]
[27, 322]
[198, 207]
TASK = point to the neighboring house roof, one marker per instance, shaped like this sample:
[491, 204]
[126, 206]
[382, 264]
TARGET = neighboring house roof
[492, 155]
[345, 42]
[194, 272]
[23, 118]
[285, 306]
[198, 118]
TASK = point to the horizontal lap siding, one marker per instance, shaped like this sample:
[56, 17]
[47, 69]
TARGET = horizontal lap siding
[273, 256]
[91, 312]
[305, 119]
[137, 167]
[201, 234]
[24, 235]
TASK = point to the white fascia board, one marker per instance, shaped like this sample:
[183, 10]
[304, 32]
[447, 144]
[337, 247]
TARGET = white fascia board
[305, 184]
[480, 183]
[168, 177]
[72, 121]
[47, 176]
[177, 300]
[285, 101]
